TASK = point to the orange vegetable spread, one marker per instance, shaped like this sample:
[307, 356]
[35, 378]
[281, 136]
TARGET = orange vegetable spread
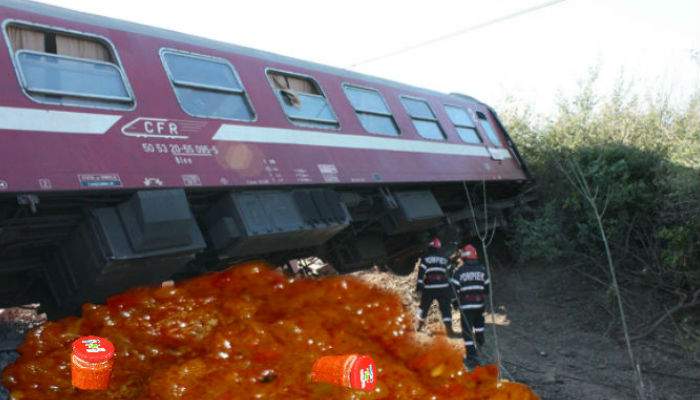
[249, 333]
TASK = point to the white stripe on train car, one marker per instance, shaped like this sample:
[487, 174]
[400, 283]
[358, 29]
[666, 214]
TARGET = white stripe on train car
[499, 154]
[32, 119]
[254, 134]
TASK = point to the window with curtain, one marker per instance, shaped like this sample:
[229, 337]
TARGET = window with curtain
[207, 87]
[466, 129]
[371, 110]
[66, 69]
[488, 129]
[44, 41]
[302, 100]
[423, 118]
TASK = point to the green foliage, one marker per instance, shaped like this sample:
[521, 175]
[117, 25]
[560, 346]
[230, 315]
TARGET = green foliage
[540, 238]
[642, 158]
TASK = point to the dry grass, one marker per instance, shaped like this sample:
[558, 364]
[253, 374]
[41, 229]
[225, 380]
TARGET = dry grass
[405, 288]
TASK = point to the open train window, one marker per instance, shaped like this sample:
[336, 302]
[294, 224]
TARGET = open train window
[207, 87]
[423, 118]
[488, 129]
[372, 111]
[68, 68]
[466, 129]
[302, 100]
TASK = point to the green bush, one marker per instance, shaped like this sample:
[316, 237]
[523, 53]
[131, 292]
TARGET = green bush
[642, 158]
[541, 238]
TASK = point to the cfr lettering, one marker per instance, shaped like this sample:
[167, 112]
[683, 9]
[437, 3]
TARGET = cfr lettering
[159, 126]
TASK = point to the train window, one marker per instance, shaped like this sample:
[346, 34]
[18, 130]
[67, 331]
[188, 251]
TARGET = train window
[28, 38]
[48, 74]
[372, 111]
[423, 118]
[65, 68]
[207, 87]
[488, 129]
[302, 100]
[466, 129]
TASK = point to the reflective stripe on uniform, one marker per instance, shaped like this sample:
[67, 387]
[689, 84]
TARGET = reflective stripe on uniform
[437, 286]
[472, 287]
[471, 306]
[436, 269]
[479, 329]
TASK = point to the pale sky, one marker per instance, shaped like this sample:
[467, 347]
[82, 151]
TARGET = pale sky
[532, 58]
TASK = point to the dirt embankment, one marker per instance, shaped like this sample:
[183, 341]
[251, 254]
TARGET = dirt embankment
[555, 339]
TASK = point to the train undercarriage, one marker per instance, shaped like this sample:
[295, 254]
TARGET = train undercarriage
[65, 249]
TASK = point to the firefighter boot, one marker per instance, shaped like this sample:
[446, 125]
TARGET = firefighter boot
[451, 332]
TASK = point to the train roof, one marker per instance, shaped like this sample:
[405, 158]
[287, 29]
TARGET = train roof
[112, 23]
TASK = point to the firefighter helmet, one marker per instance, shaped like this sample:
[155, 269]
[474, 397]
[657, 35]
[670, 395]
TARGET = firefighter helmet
[469, 252]
[435, 243]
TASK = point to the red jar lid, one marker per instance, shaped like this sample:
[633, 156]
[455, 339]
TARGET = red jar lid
[93, 349]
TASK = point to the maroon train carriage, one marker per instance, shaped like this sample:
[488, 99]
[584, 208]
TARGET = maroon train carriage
[130, 154]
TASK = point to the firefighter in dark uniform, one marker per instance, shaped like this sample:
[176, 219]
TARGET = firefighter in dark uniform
[434, 284]
[471, 284]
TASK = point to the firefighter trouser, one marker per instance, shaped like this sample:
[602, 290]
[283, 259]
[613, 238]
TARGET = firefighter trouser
[472, 328]
[444, 299]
